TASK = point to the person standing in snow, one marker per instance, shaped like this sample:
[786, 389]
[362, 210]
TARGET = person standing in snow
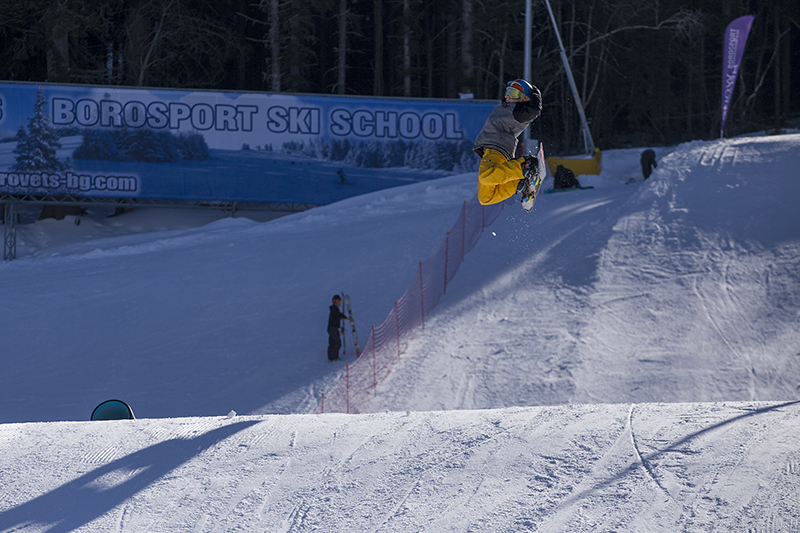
[648, 162]
[335, 327]
[499, 143]
[564, 178]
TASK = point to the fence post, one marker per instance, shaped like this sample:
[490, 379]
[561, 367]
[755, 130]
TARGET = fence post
[446, 252]
[322, 404]
[421, 296]
[347, 377]
[374, 370]
[397, 325]
[463, 231]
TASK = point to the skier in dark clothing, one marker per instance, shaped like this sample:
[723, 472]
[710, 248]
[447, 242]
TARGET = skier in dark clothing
[648, 162]
[564, 178]
[334, 325]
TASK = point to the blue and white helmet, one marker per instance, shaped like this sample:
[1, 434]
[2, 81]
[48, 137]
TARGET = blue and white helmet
[521, 89]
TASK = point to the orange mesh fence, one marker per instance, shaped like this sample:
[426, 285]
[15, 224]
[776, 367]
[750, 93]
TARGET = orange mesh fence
[359, 383]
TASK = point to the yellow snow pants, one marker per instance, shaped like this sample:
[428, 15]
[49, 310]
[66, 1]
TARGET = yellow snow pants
[497, 177]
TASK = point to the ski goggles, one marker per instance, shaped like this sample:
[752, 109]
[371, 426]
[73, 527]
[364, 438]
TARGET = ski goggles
[514, 93]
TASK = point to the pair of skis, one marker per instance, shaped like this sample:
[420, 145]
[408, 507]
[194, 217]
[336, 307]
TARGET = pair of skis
[346, 299]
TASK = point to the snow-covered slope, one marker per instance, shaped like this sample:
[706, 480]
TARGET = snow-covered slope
[684, 288]
[653, 467]
[199, 321]
[546, 365]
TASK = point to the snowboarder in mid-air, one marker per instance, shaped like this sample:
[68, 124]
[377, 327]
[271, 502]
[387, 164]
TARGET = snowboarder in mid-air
[335, 328]
[502, 167]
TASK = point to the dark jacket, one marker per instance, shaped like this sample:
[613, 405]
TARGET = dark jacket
[335, 318]
[648, 162]
[565, 179]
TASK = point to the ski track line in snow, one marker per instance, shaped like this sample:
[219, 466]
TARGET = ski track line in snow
[299, 516]
[251, 499]
[748, 363]
[123, 514]
[645, 465]
[254, 498]
[561, 516]
[467, 448]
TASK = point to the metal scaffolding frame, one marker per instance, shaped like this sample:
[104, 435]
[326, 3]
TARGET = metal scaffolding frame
[9, 231]
[10, 203]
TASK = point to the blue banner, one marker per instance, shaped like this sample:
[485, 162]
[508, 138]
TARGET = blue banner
[225, 146]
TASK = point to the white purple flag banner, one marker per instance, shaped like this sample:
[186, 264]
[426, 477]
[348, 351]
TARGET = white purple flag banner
[733, 49]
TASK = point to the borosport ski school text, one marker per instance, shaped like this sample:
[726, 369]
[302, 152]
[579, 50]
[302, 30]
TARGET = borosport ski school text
[342, 122]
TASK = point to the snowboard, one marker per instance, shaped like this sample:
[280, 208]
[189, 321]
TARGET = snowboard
[534, 181]
[352, 323]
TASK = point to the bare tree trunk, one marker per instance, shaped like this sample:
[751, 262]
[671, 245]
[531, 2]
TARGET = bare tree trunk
[429, 57]
[467, 59]
[110, 62]
[58, 50]
[501, 82]
[451, 58]
[786, 77]
[342, 62]
[761, 75]
[586, 56]
[776, 86]
[274, 47]
[293, 80]
[377, 84]
[406, 48]
[153, 44]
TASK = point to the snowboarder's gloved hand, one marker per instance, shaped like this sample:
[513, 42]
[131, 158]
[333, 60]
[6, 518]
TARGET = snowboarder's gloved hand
[530, 163]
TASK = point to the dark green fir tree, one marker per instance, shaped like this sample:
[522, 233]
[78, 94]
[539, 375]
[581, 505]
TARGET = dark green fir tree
[36, 150]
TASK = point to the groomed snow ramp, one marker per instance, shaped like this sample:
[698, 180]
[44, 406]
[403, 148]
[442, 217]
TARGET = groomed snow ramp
[647, 467]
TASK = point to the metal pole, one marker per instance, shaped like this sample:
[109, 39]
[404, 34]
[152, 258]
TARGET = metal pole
[588, 142]
[527, 71]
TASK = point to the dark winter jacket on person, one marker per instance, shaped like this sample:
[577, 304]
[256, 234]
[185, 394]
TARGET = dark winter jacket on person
[648, 162]
[564, 178]
[336, 317]
[334, 341]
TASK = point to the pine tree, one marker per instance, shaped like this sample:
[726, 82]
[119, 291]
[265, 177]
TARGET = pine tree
[36, 151]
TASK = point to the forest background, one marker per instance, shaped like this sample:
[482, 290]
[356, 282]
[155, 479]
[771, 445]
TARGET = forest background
[648, 71]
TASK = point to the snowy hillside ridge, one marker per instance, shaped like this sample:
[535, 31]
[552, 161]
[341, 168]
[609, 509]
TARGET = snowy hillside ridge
[683, 288]
[626, 467]
[390, 339]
